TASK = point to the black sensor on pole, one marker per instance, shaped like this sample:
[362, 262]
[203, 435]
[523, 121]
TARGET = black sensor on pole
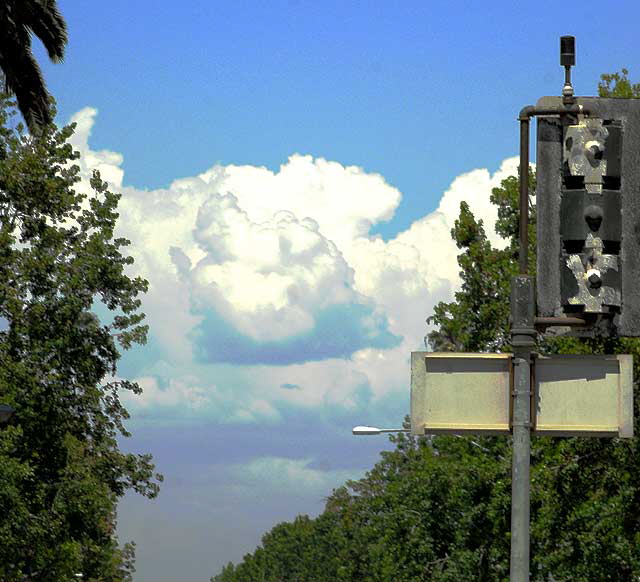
[567, 60]
[567, 51]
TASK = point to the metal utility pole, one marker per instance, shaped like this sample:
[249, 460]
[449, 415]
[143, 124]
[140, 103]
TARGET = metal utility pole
[519, 571]
[523, 336]
[523, 332]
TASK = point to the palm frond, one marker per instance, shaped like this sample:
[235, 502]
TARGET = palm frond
[24, 79]
[19, 19]
[45, 21]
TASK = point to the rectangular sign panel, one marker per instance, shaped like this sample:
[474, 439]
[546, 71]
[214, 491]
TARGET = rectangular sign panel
[571, 395]
[457, 393]
[584, 396]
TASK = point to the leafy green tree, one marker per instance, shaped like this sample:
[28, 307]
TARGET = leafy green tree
[19, 19]
[61, 471]
[478, 318]
[622, 87]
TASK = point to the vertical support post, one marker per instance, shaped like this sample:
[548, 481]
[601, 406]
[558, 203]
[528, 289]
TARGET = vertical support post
[523, 336]
[523, 255]
[523, 341]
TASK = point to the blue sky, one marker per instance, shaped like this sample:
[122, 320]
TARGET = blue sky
[290, 173]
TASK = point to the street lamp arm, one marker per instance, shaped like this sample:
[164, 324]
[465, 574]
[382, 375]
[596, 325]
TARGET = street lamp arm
[370, 430]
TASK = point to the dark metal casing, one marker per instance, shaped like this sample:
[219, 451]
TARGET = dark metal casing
[574, 211]
[567, 51]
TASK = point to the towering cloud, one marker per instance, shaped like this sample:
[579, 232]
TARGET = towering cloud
[262, 279]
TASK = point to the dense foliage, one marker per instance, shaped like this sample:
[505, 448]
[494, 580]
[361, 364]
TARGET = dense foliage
[61, 472]
[438, 509]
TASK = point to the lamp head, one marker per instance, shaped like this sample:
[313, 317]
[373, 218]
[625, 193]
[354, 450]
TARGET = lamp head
[363, 430]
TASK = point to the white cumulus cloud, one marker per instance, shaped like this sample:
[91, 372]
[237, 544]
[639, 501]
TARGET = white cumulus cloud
[261, 279]
[345, 201]
[269, 278]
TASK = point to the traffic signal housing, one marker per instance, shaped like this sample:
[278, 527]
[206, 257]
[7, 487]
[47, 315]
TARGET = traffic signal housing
[588, 215]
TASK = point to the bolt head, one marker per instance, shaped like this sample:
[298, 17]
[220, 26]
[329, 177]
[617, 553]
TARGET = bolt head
[594, 280]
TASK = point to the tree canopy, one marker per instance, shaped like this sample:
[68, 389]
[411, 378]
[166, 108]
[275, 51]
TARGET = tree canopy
[61, 471]
[438, 509]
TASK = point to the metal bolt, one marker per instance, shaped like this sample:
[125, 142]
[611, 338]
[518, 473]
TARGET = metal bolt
[595, 281]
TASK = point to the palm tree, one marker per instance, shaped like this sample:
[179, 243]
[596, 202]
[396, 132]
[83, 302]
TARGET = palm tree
[19, 19]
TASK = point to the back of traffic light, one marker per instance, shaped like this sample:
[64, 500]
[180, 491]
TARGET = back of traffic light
[588, 210]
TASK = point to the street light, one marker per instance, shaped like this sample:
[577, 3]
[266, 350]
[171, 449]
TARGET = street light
[368, 430]
[6, 412]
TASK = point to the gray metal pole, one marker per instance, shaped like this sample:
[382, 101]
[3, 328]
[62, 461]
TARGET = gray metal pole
[523, 341]
[520, 468]
[523, 336]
